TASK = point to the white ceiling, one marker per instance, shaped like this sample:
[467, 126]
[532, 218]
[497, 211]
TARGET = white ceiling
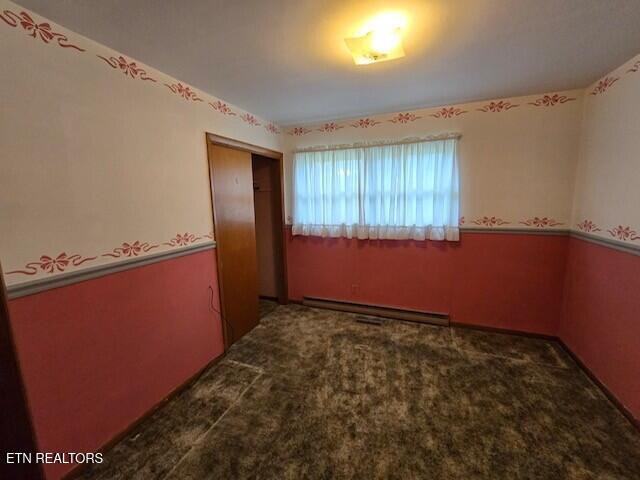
[285, 60]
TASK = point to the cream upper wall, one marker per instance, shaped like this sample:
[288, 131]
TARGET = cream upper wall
[607, 194]
[93, 158]
[516, 163]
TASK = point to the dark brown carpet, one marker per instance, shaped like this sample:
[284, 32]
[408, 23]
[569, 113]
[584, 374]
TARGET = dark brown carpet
[265, 307]
[313, 394]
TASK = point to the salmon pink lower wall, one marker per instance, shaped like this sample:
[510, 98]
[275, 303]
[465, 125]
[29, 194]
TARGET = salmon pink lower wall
[99, 354]
[510, 281]
[503, 280]
[601, 319]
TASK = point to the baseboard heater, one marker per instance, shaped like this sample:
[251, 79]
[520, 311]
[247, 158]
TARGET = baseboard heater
[378, 311]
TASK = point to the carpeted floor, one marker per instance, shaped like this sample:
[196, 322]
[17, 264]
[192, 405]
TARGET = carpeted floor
[265, 307]
[311, 394]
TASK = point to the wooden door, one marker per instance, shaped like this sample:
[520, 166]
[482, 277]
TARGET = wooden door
[234, 220]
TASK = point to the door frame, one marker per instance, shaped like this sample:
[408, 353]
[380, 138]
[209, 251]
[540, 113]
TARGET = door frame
[18, 434]
[214, 139]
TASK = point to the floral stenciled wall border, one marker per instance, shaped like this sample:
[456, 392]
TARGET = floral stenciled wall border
[52, 264]
[62, 262]
[588, 226]
[183, 91]
[624, 233]
[128, 67]
[441, 113]
[404, 118]
[495, 221]
[489, 221]
[551, 100]
[603, 85]
[541, 222]
[547, 100]
[43, 31]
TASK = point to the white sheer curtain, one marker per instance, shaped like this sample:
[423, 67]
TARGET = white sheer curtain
[397, 191]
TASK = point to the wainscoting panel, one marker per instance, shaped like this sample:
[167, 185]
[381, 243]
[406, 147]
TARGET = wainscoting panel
[504, 280]
[601, 318]
[99, 354]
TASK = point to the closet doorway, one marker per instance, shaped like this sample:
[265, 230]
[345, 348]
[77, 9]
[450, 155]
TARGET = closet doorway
[249, 230]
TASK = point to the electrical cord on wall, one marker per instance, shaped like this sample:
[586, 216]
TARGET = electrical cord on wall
[214, 309]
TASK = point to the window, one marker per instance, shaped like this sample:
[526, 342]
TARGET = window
[391, 191]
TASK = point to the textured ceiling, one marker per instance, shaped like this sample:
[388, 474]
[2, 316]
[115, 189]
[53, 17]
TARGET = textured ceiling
[286, 61]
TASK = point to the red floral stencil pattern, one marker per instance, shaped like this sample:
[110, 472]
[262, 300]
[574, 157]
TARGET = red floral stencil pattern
[53, 264]
[130, 249]
[184, 91]
[490, 221]
[448, 112]
[588, 226]
[495, 107]
[551, 100]
[540, 222]
[222, 107]
[624, 233]
[42, 31]
[130, 69]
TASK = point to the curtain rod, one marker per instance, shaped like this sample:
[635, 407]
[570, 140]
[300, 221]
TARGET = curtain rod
[379, 143]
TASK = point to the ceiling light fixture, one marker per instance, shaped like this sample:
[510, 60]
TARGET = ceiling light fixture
[381, 40]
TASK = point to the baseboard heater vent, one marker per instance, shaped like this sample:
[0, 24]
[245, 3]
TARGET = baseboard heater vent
[378, 311]
[377, 321]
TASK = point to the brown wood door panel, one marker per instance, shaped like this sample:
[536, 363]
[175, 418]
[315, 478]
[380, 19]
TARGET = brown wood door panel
[234, 220]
